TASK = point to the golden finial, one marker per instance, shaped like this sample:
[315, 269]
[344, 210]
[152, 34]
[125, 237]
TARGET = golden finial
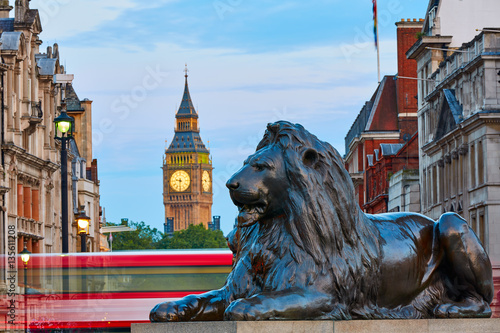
[186, 70]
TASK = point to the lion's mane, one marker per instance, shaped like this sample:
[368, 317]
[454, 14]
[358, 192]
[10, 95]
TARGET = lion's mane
[322, 217]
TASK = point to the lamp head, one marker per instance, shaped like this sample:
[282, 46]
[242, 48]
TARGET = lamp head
[64, 123]
[25, 255]
[83, 221]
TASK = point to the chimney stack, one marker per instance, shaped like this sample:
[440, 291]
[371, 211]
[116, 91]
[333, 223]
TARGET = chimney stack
[5, 9]
[22, 6]
[407, 35]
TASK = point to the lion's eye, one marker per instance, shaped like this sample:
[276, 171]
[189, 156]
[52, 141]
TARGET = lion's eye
[258, 167]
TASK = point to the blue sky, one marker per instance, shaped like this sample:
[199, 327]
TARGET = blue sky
[250, 63]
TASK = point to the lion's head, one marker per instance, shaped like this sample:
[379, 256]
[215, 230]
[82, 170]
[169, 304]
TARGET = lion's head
[259, 188]
[297, 180]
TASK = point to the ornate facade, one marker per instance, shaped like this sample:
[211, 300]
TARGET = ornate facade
[187, 172]
[459, 119]
[34, 86]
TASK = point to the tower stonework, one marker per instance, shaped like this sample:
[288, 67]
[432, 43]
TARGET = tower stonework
[187, 171]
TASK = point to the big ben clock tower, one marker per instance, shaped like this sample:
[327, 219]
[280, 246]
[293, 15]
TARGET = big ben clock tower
[187, 171]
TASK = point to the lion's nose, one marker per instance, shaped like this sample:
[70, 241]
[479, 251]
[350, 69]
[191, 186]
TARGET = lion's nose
[232, 184]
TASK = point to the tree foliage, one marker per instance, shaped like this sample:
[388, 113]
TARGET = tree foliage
[194, 237]
[146, 238]
[142, 238]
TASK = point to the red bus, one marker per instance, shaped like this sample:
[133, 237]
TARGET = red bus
[106, 292]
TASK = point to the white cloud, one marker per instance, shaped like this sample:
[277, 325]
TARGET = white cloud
[228, 87]
[66, 18]
[236, 94]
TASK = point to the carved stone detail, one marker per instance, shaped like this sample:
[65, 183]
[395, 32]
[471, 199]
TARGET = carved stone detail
[463, 149]
[49, 183]
[28, 179]
[13, 167]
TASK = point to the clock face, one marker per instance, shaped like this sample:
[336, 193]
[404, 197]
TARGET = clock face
[180, 181]
[205, 181]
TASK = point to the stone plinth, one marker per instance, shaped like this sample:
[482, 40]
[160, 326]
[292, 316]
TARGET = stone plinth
[354, 326]
[495, 305]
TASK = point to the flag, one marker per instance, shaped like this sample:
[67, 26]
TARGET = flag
[375, 22]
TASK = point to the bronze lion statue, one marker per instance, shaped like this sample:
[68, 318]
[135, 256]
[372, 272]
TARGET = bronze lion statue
[305, 250]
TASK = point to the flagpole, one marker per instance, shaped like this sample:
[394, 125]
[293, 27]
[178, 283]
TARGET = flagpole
[378, 46]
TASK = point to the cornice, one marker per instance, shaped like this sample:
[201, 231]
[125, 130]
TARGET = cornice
[22, 156]
[420, 45]
[465, 127]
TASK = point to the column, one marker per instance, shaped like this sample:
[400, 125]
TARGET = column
[47, 117]
[17, 96]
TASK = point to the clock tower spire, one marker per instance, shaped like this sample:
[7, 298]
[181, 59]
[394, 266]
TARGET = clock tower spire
[187, 171]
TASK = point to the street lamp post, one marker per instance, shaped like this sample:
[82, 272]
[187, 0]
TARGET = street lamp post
[25, 257]
[83, 222]
[64, 124]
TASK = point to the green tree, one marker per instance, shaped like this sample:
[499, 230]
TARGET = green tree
[194, 237]
[142, 238]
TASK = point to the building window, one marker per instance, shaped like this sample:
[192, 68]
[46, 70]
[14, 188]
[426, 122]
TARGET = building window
[35, 213]
[441, 184]
[453, 182]
[406, 199]
[434, 185]
[20, 200]
[27, 202]
[425, 116]
[482, 229]
[472, 222]
[472, 161]
[480, 163]
[424, 82]
[446, 176]
[425, 191]
[460, 173]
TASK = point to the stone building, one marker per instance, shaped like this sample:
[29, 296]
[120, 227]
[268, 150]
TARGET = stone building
[381, 141]
[34, 86]
[459, 116]
[187, 172]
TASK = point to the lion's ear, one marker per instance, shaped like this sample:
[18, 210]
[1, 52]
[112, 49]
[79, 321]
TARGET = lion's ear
[310, 157]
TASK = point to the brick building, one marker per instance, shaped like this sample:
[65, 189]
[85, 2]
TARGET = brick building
[381, 142]
[392, 178]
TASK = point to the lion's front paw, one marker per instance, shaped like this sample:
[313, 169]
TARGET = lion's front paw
[242, 310]
[168, 311]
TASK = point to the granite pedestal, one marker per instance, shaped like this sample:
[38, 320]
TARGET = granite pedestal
[354, 326]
